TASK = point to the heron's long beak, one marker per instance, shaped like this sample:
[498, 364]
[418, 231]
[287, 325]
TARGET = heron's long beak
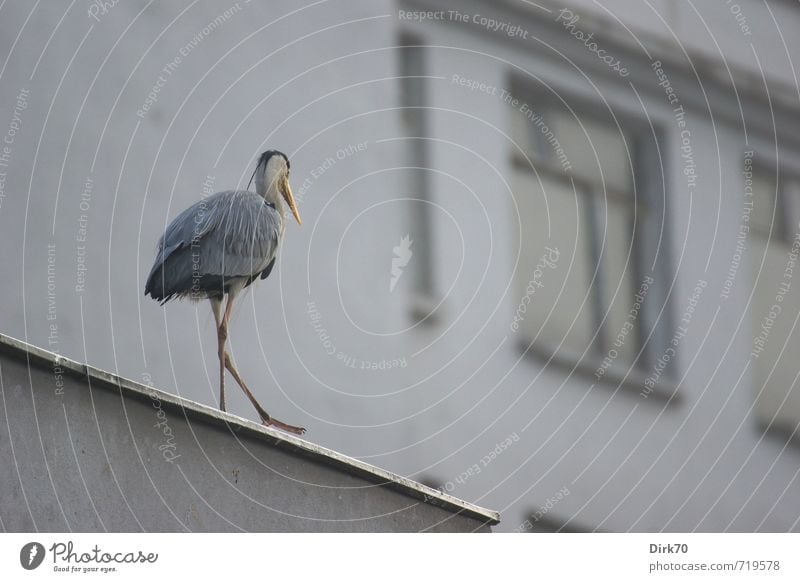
[289, 197]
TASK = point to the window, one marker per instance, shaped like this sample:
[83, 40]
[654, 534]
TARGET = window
[775, 303]
[549, 523]
[592, 190]
[413, 99]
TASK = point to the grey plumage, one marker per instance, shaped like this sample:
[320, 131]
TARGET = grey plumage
[229, 238]
[220, 245]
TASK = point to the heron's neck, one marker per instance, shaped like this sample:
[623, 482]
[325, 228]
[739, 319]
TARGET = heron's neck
[269, 191]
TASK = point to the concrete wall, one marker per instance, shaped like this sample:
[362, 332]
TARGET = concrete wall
[92, 452]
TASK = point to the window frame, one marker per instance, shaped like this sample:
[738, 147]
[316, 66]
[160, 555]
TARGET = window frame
[651, 333]
[785, 222]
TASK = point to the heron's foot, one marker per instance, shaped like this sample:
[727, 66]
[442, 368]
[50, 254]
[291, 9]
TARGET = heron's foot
[269, 421]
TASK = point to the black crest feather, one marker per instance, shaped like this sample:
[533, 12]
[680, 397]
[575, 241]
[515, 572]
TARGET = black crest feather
[264, 159]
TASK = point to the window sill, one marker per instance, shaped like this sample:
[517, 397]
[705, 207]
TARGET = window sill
[632, 381]
[425, 310]
[778, 431]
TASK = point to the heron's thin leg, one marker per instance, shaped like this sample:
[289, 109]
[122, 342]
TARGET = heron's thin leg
[265, 417]
[222, 336]
[268, 420]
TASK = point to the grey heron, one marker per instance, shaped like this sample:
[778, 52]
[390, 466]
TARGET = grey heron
[218, 246]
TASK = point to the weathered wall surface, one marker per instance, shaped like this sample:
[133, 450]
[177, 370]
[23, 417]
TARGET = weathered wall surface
[82, 454]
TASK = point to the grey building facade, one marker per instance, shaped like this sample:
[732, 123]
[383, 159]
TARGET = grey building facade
[539, 257]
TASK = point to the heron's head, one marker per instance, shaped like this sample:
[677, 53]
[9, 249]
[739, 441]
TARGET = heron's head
[272, 179]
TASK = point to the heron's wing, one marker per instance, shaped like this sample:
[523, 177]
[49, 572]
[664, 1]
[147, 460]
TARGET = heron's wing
[228, 235]
[241, 238]
[265, 273]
